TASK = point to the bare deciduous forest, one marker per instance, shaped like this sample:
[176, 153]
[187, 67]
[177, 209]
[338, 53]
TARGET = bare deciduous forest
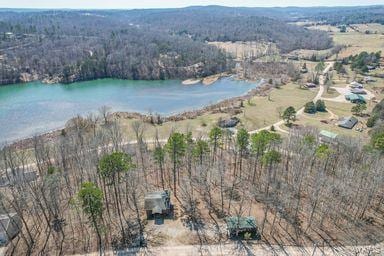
[91, 182]
[67, 46]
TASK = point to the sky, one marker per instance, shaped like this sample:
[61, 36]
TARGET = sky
[132, 4]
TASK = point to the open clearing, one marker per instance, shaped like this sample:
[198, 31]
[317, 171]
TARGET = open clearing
[356, 40]
[241, 50]
[259, 112]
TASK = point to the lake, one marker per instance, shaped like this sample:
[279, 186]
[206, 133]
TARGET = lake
[34, 108]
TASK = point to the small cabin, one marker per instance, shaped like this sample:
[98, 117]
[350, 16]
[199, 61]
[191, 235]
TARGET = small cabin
[158, 203]
[242, 227]
[10, 227]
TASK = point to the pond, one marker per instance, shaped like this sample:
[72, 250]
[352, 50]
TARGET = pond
[34, 108]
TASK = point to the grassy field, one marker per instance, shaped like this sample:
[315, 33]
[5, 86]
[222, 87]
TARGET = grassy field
[374, 28]
[241, 50]
[265, 111]
[356, 39]
[357, 42]
[257, 113]
[331, 125]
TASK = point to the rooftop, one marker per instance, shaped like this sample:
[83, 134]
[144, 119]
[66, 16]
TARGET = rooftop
[353, 96]
[348, 122]
[157, 201]
[241, 222]
[328, 134]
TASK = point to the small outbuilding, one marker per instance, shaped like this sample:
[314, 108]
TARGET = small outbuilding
[327, 136]
[158, 203]
[348, 122]
[242, 227]
[10, 227]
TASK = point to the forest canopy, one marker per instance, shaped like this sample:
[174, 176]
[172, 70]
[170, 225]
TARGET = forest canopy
[67, 46]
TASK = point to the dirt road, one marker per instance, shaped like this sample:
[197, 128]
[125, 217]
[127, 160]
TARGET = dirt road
[259, 249]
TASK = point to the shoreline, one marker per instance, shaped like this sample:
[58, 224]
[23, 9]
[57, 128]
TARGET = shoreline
[261, 89]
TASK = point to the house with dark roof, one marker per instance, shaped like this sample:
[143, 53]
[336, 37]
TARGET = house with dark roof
[348, 122]
[242, 227]
[158, 203]
[10, 227]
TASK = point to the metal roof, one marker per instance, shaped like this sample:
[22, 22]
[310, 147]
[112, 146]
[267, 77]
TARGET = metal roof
[348, 122]
[354, 96]
[157, 201]
[241, 222]
[328, 134]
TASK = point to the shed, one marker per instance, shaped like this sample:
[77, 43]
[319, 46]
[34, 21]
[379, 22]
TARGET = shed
[239, 226]
[348, 122]
[10, 227]
[158, 202]
[327, 136]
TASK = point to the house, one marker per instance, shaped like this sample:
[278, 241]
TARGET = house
[355, 84]
[240, 226]
[327, 136]
[358, 91]
[348, 122]
[18, 176]
[158, 203]
[355, 98]
[10, 227]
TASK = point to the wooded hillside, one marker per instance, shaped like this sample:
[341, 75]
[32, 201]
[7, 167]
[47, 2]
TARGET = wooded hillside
[67, 46]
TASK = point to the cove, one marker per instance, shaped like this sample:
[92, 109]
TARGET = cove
[35, 108]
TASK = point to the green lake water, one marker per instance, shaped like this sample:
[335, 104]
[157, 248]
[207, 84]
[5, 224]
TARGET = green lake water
[34, 108]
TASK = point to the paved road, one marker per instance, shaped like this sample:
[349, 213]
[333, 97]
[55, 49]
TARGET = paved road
[301, 110]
